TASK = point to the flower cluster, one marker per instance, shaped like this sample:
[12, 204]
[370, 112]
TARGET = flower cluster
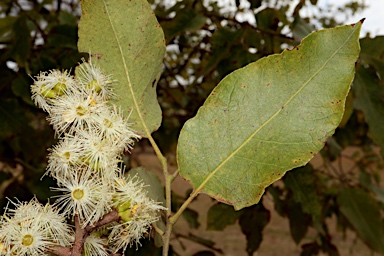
[92, 138]
[32, 229]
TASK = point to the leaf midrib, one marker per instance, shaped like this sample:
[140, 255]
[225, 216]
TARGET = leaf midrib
[135, 102]
[271, 118]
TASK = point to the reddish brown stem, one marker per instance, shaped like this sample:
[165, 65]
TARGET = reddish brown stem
[82, 233]
[107, 218]
[80, 236]
[60, 250]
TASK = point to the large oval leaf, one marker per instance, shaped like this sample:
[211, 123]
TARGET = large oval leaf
[128, 43]
[269, 117]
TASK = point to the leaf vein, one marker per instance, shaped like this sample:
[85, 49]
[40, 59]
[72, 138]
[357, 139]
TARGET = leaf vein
[201, 186]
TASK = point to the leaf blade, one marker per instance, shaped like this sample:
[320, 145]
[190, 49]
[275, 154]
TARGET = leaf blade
[128, 43]
[262, 108]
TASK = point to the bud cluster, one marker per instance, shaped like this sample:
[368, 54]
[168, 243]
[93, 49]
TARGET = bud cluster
[92, 138]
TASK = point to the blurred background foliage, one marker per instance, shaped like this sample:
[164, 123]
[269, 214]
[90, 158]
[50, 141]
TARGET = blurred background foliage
[206, 41]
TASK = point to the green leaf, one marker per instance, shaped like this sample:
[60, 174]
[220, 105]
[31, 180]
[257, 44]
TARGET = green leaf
[63, 36]
[372, 53]
[6, 25]
[255, 3]
[154, 186]
[127, 42]
[220, 216]
[185, 20]
[363, 213]
[192, 218]
[222, 41]
[369, 98]
[269, 117]
[298, 221]
[252, 222]
[301, 28]
[12, 118]
[20, 87]
[348, 110]
[302, 183]
[21, 46]
[269, 18]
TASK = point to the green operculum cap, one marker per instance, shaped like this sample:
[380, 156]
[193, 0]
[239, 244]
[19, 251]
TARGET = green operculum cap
[125, 216]
[59, 88]
[95, 85]
[124, 206]
[125, 211]
[48, 93]
[93, 164]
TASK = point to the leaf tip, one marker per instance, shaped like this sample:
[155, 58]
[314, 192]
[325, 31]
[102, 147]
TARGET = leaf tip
[361, 21]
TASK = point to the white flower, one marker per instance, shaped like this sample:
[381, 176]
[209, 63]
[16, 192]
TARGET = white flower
[55, 226]
[91, 77]
[95, 245]
[137, 212]
[50, 85]
[100, 153]
[85, 196]
[25, 239]
[75, 110]
[31, 229]
[112, 125]
[65, 157]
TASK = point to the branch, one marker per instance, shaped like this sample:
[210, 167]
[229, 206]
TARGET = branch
[60, 250]
[106, 219]
[80, 236]
[82, 233]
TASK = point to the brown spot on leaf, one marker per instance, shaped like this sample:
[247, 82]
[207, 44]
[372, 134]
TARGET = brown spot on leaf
[97, 55]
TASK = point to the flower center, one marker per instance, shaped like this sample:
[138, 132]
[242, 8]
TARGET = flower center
[108, 123]
[78, 194]
[27, 240]
[81, 110]
[67, 155]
